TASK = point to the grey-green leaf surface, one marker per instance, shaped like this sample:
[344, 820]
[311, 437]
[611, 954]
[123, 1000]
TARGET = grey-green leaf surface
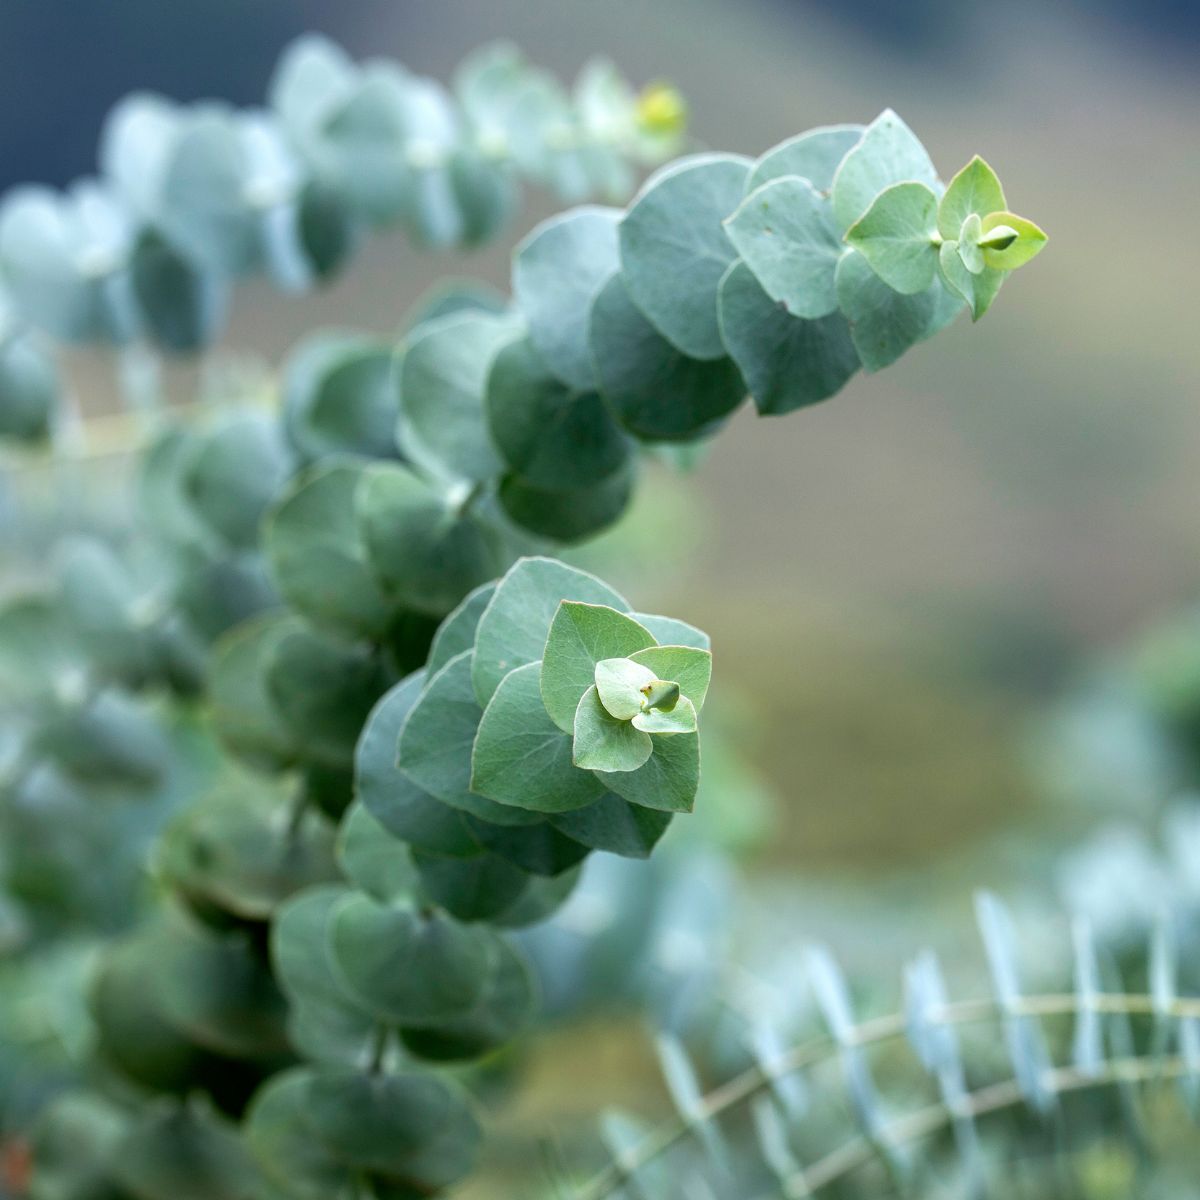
[613, 824]
[786, 361]
[667, 781]
[521, 757]
[674, 248]
[568, 516]
[814, 156]
[653, 389]
[317, 555]
[558, 270]
[436, 742]
[975, 189]
[603, 742]
[786, 234]
[427, 555]
[898, 236]
[457, 632]
[550, 434]
[580, 636]
[685, 665]
[406, 966]
[888, 152]
[516, 622]
[441, 373]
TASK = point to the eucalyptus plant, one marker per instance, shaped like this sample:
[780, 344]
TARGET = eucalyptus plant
[380, 721]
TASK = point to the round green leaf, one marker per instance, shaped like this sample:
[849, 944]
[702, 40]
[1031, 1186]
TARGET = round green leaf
[975, 189]
[581, 636]
[785, 233]
[427, 554]
[654, 390]
[680, 719]
[888, 152]
[482, 887]
[180, 304]
[402, 807]
[685, 665]
[567, 516]
[324, 691]
[674, 248]
[619, 683]
[614, 825]
[457, 632]
[339, 398]
[317, 554]
[29, 389]
[814, 156]
[436, 742]
[977, 290]
[787, 362]
[406, 966]
[666, 781]
[513, 628]
[1028, 241]
[558, 270]
[505, 1007]
[521, 757]
[441, 372]
[604, 743]
[550, 434]
[416, 1129]
[898, 236]
[539, 849]
[372, 858]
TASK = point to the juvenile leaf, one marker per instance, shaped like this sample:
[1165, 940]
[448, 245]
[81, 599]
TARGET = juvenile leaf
[539, 849]
[977, 290]
[516, 622]
[604, 743]
[338, 397]
[786, 361]
[403, 808]
[372, 858]
[427, 555]
[568, 516]
[558, 270]
[482, 887]
[405, 966]
[505, 1006]
[417, 1128]
[1003, 254]
[888, 152]
[457, 632]
[521, 757]
[687, 666]
[581, 635]
[615, 825]
[619, 683]
[441, 372]
[785, 233]
[969, 249]
[317, 556]
[243, 713]
[898, 236]
[814, 156]
[674, 248]
[280, 1136]
[680, 719]
[550, 434]
[323, 690]
[975, 189]
[669, 631]
[666, 781]
[883, 323]
[654, 390]
[436, 742]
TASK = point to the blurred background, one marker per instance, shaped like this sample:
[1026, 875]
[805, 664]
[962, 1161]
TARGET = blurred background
[898, 582]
